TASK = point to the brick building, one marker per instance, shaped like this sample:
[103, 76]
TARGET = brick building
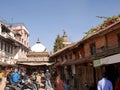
[84, 61]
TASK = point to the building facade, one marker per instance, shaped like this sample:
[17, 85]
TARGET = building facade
[84, 62]
[11, 49]
[22, 36]
[37, 58]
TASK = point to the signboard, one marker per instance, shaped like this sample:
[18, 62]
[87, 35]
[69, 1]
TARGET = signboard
[96, 63]
[107, 60]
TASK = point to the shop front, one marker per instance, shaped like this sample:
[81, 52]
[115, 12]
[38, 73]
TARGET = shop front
[110, 65]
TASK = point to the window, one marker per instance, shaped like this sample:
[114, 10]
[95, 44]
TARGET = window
[1, 45]
[66, 57]
[5, 47]
[92, 49]
[79, 56]
[8, 48]
[118, 36]
[61, 58]
[11, 51]
[70, 56]
[22, 40]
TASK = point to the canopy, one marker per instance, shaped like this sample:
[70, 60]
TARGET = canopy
[36, 64]
[3, 63]
[107, 60]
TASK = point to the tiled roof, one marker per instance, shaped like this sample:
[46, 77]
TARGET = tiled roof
[63, 49]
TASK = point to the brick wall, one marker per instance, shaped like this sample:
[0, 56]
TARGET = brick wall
[110, 39]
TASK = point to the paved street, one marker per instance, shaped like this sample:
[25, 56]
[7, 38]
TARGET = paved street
[2, 85]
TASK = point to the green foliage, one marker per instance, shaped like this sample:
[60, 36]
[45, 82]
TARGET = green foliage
[106, 23]
[58, 44]
[90, 31]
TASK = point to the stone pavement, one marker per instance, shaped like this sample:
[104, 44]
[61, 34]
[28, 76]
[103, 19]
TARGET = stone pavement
[2, 85]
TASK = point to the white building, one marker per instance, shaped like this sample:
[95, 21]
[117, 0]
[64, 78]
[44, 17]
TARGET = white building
[11, 48]
[38, 57]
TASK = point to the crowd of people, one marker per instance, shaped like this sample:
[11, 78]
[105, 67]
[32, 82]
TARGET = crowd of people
[19, 77]
[15, 76]
[52, 79]
[57, 84]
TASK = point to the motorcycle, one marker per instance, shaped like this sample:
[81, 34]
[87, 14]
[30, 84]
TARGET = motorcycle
[15, 86]
[25, 83]
[29, 84]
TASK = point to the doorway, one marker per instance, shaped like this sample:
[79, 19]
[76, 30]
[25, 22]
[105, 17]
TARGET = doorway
[110, 70]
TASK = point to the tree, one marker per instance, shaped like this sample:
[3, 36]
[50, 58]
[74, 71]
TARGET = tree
[58, 44]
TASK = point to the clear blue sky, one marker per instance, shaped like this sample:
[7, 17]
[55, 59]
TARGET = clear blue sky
[45, 19]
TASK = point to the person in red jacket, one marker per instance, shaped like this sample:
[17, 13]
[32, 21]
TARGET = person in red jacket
[59, 83]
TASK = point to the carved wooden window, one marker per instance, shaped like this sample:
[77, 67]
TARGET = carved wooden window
[92, 49]
[70, 56]
[118, 36]
[1, 45]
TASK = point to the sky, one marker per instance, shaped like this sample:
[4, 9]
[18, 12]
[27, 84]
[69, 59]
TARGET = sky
[45, 19]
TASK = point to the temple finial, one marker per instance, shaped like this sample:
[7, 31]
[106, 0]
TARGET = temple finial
[64, 33]
[38, 41]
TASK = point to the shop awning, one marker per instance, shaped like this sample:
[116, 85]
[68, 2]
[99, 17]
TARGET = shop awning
[4, 63]
[107, 60]
[36, 64]
[111, 59]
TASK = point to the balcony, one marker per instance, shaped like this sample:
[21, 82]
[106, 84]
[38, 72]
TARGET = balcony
[5, 54]
[8, 54]
[107, 52]
[18, 33]
[102, 54]
[7, 36]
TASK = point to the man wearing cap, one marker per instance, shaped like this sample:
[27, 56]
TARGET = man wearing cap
[47, 77]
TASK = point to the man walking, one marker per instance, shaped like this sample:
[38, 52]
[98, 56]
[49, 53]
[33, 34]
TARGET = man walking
[104, 83]
[47, 81]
